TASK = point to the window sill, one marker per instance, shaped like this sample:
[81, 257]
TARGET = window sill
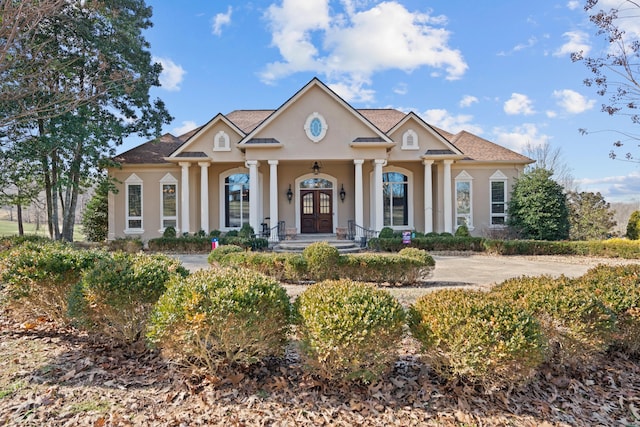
[134, 231]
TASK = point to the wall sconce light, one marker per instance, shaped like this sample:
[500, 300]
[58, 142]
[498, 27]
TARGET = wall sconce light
[316, 168]
[289, 194]
[343, 193]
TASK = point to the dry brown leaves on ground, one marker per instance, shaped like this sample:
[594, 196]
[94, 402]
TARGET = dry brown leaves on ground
[62, 378]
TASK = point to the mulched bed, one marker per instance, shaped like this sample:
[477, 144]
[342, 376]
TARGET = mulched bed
[62, 377]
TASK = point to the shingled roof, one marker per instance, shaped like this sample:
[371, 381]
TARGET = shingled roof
[473, 146]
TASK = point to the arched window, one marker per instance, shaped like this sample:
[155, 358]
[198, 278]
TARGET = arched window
[169, 202]
[410, 140]
[134, 205]
[395, 194]
[464, 199]
[236, 200]
[498, 199]
[221, 142]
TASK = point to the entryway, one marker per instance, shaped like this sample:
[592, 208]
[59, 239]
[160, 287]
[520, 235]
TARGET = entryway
[316, 210]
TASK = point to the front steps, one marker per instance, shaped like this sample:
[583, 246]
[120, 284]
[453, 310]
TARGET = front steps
[300, 242]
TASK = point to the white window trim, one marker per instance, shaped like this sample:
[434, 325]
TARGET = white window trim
[134, 180]
[171, 180]
[405, 139]
[307, 127]
[498, 176]
[409, 176]
[226, 145]
[464, 177]
[222, 177]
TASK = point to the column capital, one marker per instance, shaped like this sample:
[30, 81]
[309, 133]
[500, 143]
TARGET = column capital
[382, 162]
[358, 161]
[448, 161]
[427, 162]
[273, 162]
[204, 164]
[184, 164]
[249, 163]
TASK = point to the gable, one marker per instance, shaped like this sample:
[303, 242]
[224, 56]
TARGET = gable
[427, 141]
[340, 128]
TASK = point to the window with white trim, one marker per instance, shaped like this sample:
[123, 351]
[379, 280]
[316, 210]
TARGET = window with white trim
[168, 202]
[395, 197]
[221, 142]
[498, 188]
[464, 200]
[236, 200]
[133, 206]
[410, 140]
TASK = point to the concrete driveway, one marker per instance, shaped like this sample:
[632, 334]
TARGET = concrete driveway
[479, 270]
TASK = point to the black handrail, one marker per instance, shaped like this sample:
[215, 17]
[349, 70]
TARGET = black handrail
[355, 232]
[275, 233]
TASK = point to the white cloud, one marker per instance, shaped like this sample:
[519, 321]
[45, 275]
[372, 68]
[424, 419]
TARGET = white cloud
[573, 102]
[467, 100]
[221, 20]
[551, 114]
[353, 90]
[187, 125]
[623, 188]
[520, 137]
[401, 89]
[578, 41]
[172, 74]
[350, 47]
[447, 121]
[573, 4]
[519, 104]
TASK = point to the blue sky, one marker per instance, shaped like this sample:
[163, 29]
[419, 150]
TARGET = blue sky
[500, 69]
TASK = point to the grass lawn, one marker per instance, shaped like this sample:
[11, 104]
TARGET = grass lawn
[10, 228]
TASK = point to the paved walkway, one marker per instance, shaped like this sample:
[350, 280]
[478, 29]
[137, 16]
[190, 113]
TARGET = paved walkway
[479, 269]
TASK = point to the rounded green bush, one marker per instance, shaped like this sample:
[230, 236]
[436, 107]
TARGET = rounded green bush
[386, 233]
[633, 226]
[38, 277]
[467, 334]
[418, 254]
[116, 295]
[217, 254]
[215, 318]
[322, 260]
[169, 232]
[618, 287]
[574, 319]
[462, 231]
[348, 330]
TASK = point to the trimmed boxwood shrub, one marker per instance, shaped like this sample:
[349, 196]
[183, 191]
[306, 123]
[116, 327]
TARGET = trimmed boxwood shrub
[131, 245]
[575, 320]
[618, 287]
[348, 330]
[214, 319]
[470, 335]
[115, 296]
[38, 277]
[322, 260]
[430, 242]
[217, 254]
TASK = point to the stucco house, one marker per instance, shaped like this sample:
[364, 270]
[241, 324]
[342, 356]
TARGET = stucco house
[314, 164]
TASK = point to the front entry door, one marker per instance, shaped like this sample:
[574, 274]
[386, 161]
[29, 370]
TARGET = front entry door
[316, 208]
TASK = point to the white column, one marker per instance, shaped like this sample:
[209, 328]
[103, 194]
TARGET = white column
[254, 221]
[204, 196]
[428, 197]
[359, 193]
[448, 198]
[185, 196]
[378, 201]
[273, 197]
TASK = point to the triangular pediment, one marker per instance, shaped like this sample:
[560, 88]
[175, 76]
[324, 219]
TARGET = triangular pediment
[203, 140]
[314, 120]
[430, 141]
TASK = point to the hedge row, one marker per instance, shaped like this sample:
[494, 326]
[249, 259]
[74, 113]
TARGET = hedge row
[203, 244]
[612, 248]
[320, 261]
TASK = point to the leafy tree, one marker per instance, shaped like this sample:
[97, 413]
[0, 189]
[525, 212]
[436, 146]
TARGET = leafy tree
[538, 207]
[19, 183]
[633, 227]
[95, 217]
[105, 60]
[616, 73]
[590, 216]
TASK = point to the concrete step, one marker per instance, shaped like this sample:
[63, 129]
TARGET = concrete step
[297, 246]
